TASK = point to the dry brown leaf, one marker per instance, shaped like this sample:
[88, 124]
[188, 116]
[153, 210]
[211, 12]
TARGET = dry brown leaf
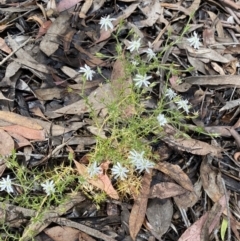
[91, 60]
[215, 80]
[193, 146]
[48, 94]
[211, 180]
[198, 65]
[4, 26]
[219, 27]
[102, 181]
[194, 231]
[6, 143]
[85, 7]
[4, 47]
[208, 36]
[218, 68]
[140, 206]
[37, 19]
[176, 173]
[189, 199]
[194, 6]
[177, 7]
[159, 214]
[220, 130]
[66, 4]
[2, 169]
[19, 120]
[152, 11]
[34, 65]
[28, 133]
[2, 97]
[98, 100]
[235, 135]
[206, 54]
[51, 40]
[184, 87]
[37, 112]
[232, 49]
[165, 190]
[20, 140]
[44, 28]
[97, 4]
[62, 233]
[108, 187]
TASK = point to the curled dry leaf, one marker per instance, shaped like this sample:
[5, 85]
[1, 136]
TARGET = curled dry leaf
[140, 205]
[230, 104]
[211, 180]
[85, 7]
[237, 156]
[59, 233]
[6, 143]
[4, 47]
[102, 181]
[165, 190]
[214, 80]
[19, 120]
[152, 11]
[28, 133]
[176, 173]
[189, 199]
[193, 146]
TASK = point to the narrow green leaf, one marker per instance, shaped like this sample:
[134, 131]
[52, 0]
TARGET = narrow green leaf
[224, 228]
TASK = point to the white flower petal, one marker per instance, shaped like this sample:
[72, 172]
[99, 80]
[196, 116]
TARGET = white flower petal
[87, 72]
[93, 169]
[6, 184]
[194, 41]
[48, 187]
[183, 104]
[150, 54]
[142, 80]
[119, 171]
[161, 120]
[134, 45]
[140, 163]
[170, 94]
[106, 22]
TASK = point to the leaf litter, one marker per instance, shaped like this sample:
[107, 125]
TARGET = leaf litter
[47, 109]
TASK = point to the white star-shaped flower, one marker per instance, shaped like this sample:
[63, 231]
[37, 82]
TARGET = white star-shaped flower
[106, 22]
[150, 54]
[6, 184]
[87, 72]
[94, 170]
[183, 104]
[170, 94]
[194, 41]
[134, 62]
[142, 80]
[139, 161]
[144, 165]
[134, 45]
[135, 156]
[48, 187]
[161, 120]
[119, 171]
